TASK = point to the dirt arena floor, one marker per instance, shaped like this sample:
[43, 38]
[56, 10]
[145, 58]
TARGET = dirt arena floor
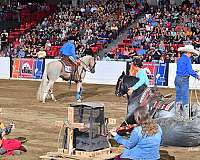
[36, 121]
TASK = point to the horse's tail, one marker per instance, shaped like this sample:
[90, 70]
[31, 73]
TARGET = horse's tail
[42, 87]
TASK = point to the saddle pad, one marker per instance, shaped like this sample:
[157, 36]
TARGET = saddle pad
[167, 106]
[145, 96]
[68, 69]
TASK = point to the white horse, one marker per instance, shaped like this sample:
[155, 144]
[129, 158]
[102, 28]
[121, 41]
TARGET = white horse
[55, 69]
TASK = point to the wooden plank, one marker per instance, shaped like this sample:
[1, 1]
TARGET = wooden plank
[103, 154]
[71, 125]
[94, 153]
[70, 132]
[75, 157]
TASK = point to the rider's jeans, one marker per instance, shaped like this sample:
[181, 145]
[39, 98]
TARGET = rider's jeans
[182, 89]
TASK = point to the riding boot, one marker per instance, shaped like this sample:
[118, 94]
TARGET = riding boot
[178, 107]
[178, 110]
[185, 112]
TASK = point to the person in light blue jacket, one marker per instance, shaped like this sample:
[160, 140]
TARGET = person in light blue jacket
[141, 74]
[145, 139]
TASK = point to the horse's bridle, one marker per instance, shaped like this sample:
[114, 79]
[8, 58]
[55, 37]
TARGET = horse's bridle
[121, 81]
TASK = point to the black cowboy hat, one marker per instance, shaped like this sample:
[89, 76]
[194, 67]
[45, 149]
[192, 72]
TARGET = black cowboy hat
[137, 62]
[72, 38]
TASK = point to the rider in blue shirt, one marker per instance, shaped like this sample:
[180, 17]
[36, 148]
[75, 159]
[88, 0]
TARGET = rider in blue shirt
[141, 74]
[68, 53]
[69, 49]
[144, 141]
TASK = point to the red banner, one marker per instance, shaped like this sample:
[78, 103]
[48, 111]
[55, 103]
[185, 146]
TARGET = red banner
[27, 68]
[16, 68]
[151, 69]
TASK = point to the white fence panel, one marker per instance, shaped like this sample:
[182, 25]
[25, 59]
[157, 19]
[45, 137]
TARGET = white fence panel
[4, 67]
[194, 83]
[107, 72]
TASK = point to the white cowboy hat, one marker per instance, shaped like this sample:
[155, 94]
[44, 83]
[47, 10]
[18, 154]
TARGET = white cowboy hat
[189, 48]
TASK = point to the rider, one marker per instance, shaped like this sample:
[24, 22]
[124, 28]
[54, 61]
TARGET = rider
[141, 74]
[68, 52]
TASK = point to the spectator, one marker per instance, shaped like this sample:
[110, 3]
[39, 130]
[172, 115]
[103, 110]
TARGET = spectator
[21, 53]
[141, 51]
[41, 53]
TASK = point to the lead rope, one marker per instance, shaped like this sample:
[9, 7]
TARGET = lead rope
[196, 98]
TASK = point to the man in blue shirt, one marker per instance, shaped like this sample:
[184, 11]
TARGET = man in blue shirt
[183, 72]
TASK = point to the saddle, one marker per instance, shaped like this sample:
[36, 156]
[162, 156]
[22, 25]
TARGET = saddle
[69, 67]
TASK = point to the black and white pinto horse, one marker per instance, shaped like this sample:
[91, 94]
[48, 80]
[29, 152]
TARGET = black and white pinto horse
[157, 104]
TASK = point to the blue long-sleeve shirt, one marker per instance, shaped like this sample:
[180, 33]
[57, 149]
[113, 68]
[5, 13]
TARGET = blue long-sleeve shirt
[68, 49]
[184, 67]
[143, 79]
[139, 147]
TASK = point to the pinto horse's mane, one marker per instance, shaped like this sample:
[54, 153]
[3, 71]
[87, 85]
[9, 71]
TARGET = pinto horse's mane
[124, 82]
[130, 80]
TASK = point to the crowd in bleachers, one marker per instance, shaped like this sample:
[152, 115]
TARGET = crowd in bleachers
[157, 36]
[94, 24]
[29, 16]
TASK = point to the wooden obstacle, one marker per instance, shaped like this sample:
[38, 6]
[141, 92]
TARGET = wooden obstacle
[73, 153]
[104, 154]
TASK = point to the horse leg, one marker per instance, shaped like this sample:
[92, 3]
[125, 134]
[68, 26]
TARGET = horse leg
[51, 91]
[46, 91]
[79, 90]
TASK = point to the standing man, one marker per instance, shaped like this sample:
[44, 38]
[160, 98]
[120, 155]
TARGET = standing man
[183, 72]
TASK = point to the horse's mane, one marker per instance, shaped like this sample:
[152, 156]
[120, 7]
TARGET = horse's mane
[129, 81]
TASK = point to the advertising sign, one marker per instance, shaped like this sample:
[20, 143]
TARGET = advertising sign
[27, 68]
[16, 68]
[38, 68]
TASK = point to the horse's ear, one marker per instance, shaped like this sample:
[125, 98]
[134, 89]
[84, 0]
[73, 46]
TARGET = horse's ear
[123, 73]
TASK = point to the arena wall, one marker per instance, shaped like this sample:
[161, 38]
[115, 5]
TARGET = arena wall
[4, 67]
[107, 72]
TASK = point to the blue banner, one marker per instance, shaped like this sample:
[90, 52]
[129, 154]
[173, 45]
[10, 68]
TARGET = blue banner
[161, 76]
[38, 71]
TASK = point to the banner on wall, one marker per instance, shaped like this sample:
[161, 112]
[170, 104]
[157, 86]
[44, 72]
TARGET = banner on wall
[161, 75]
[27, 68]
[156, 73]
[38, 68]
[151, 71]
[16, 68]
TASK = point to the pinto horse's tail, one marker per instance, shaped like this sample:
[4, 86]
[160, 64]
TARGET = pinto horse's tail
[42, 87]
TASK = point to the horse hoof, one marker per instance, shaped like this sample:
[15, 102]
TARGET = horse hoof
[78, 100]
[55, 100]
[43, 102]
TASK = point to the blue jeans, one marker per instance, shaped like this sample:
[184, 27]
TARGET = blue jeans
[182, 89]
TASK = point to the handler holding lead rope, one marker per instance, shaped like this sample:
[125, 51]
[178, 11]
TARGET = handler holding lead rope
[183, 72]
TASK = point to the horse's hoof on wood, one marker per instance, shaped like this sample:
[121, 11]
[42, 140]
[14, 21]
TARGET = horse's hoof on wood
[55, 100]
[78, 100]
